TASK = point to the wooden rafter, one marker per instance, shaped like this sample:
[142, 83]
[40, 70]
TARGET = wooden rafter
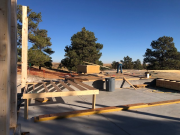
[76, 85]
[46, 89]
[56, 87]
[66, 86]
[85, 85]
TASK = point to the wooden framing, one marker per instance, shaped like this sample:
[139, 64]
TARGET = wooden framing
[56, 87]
[85, 85]
[76, 85]
[127, 82]
[83, 89]
[66, 86]
[26, 104]
[170, 84]
[13, 65]
[5, 48]
[45, 87]
[24, 46]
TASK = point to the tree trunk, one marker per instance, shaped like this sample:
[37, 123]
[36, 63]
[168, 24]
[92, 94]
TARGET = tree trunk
[39, 67]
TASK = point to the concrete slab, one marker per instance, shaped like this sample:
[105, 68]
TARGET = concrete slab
[159, 120]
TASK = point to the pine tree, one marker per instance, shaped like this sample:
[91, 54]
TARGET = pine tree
[163, 54]
[83, 48]
[38, 37]
[127, 63]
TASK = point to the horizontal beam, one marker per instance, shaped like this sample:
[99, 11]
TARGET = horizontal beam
[59, 94]
[101, 110]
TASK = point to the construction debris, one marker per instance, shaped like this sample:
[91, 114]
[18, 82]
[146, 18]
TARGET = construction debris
[140, 85]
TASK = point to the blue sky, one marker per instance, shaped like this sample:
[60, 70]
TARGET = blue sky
[124, 27]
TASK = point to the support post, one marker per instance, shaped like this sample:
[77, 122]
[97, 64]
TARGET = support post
[13, 66]
[26, 104]
[5, 47]
[94, 101]
[24, 46]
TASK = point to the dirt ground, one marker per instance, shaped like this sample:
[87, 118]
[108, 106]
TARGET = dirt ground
[60, 74]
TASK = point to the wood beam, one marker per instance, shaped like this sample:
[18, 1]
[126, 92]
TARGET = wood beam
[56, 87]
[24, 46]
[26, 104]
[76, 85]
[94, 101]
[60, 94]
[46, 89]
[85, 85]
[129, 82]
[5, 47]
[66, 86]
[13, 67]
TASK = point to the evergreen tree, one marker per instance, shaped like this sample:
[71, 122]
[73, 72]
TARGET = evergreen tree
[144, 65]
[83, 48]
[137, 64]
[163, 54]
[127, 63]
[114, 65]
[38, 37]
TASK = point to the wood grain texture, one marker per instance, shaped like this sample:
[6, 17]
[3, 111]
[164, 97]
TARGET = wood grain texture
[5, 48]
[66, 86]
[76, 85]
[45, 87]
[85, 85]
[13, 65]
[56, 87]
[59, 94]
[129, 83]
[26, 104]
[24, 45]
[94, 101]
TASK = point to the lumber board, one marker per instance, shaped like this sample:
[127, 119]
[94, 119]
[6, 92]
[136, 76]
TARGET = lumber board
[59, 94]
[66, 86]
[46, 89]
[76, 85]
[100, 110]
[76, 113]
[42, 100]
[26, 104]
[24, 46]
[33, 87]
[85, 85]
[133, 106]
[94, 101]
[56, 87]
[34, 82]
[164, 102]
[129, 82]
[13, 62]
[5, 47]
[140, 85]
